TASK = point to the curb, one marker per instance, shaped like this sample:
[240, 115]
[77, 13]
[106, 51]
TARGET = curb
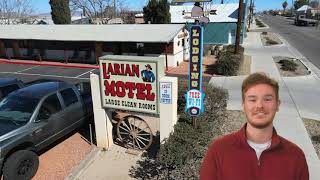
[48, 63]
[84, 164]
[311, 67]
[259, 28]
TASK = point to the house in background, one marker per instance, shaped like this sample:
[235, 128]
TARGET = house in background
[86, 43]
[138, 18]
[223, 23]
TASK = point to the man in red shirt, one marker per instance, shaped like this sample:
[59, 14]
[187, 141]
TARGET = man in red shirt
[255, 151]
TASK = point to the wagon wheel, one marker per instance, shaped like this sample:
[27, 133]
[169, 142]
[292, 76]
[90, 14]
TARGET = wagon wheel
[134, 132]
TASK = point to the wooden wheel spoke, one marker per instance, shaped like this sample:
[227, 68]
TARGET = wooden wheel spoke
[126, 125]
[138, 137]
[129, 124]
[142, 130]
[138, 127]
[123, 133]
[138, 143]
[134, 124]
[124, 129]
[143, 134]
[141, 143]
[133, 141]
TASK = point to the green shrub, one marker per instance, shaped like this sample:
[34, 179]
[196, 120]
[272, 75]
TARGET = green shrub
[288, 65]
[182, 89]
[181, 155]
[259, 23]
[228, 63]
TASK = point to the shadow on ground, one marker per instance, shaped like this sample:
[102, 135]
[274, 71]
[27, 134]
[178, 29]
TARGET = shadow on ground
[147, 167]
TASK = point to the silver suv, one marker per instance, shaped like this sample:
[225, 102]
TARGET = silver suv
[34, 117]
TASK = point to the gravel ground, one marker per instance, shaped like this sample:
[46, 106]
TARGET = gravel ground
[234, 121]
[271, 36]
[301, 70]
[313, 128]
[57, 163]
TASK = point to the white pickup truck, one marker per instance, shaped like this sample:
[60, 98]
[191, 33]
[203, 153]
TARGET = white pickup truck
[302, 20]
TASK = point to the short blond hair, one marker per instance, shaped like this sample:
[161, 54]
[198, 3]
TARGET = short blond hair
[259, 78]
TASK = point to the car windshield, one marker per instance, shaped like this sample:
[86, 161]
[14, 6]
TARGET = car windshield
[17, 109]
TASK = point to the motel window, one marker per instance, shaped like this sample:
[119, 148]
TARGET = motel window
[178, 43]
[140, 49]
[233, 32]
[183, 42]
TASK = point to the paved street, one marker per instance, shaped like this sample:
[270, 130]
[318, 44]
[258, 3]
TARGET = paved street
[305, 39]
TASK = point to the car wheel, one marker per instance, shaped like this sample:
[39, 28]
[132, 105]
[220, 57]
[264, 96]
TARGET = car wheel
[21, 165]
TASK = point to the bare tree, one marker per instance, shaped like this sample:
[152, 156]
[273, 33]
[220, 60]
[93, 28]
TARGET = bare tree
[98, 9]
[14, 11]
[92, 8]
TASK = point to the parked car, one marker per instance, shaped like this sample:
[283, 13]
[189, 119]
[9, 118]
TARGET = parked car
[8, 85]
[34, 117]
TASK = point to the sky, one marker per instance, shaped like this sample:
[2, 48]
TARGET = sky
[42, 6]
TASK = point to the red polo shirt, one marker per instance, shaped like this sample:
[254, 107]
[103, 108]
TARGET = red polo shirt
[231, 158]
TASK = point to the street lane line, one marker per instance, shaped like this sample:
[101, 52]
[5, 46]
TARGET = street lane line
[27, 69]
[85, 73]
[28, 74]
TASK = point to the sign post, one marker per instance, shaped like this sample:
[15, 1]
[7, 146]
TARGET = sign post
[194, 95]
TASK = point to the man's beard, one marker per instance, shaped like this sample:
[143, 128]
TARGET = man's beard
[259, 125]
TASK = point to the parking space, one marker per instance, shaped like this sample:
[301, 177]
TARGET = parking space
[29, 73]
[58, 160]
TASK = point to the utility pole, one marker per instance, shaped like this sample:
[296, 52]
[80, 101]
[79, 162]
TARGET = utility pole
[239, 26]
[114, 9]
[318, 15]
[251, 13]
[292, 8]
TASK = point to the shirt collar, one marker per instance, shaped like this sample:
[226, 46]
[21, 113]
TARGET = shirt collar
[241, 135]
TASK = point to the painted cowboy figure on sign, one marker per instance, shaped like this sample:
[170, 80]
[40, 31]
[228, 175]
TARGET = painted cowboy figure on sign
[147, 74]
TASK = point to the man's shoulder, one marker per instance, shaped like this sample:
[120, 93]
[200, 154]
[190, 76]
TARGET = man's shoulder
[290, 147]
[225, 141]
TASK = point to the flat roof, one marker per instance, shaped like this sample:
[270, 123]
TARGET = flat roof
[99, 33]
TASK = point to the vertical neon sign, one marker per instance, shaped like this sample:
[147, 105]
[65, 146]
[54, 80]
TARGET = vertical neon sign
[195, 96]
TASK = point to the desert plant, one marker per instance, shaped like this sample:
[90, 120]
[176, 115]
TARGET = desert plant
[288, 65]
[228, 63]
[271, 42]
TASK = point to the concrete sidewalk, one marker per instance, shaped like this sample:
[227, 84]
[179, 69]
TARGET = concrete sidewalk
[300, 96]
